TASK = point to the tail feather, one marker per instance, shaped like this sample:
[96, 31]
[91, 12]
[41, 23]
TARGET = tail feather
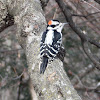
[43, 65]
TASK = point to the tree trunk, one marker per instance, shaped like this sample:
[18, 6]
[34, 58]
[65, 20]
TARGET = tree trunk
[54, 83]
[3, 14]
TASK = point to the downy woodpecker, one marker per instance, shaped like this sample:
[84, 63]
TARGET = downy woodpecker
[51, 42]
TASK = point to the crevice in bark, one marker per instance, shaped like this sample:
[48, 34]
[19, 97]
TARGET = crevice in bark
[8, 21]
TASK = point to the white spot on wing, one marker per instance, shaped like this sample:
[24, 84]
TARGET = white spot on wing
[53, 49]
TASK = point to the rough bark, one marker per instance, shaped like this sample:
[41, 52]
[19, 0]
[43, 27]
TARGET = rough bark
[3, 14]
[54, 84]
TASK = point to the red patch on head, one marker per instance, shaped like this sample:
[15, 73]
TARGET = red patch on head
[50, 22]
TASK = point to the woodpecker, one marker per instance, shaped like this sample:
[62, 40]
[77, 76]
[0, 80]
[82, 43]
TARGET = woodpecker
[50, 44]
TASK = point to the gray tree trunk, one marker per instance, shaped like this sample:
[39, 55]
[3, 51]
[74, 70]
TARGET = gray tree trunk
[30, 20]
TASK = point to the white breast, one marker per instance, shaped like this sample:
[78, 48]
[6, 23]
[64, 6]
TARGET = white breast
[49, 37]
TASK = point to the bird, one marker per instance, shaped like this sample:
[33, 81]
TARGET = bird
[51, 43]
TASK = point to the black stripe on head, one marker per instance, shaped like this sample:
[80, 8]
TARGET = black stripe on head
[53, 26]
[55, 20]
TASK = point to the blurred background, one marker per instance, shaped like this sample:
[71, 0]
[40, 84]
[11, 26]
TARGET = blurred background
[14, 79]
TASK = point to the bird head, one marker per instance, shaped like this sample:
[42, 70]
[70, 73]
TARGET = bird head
[55, 25]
